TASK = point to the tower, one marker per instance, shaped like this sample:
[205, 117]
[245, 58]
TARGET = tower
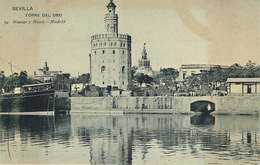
[110, 56]
[144, 63]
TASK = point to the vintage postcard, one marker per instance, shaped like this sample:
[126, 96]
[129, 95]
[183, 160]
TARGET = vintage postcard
[130, 82]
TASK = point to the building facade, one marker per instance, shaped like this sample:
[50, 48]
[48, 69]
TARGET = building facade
[243, 86]
[187, 70]
[110, 58]
[144, 64]
[45, 74]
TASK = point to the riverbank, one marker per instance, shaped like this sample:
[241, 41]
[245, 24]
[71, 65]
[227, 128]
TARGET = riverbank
[241, 105]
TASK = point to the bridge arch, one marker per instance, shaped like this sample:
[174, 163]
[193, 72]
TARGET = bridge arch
[202, 106]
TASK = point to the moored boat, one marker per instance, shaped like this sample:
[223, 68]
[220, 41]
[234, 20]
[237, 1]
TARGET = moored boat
[48, 94]
[28, 99]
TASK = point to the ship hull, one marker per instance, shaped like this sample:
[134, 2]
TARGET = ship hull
[33, 102]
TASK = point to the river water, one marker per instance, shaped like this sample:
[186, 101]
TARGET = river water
[130, 139]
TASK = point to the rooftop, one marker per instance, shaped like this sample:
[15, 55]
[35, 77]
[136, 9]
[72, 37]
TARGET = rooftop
[111, 4]
[240, 80]
[33, 85]
[200, 66]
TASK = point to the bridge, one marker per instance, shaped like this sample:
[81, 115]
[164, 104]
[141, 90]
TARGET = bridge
[170, 104]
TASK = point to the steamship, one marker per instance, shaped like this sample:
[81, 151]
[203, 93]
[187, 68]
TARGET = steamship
[49, 96]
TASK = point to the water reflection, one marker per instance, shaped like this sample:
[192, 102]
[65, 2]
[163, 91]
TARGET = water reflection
[202, 119]
[129, 139]
[35, 128]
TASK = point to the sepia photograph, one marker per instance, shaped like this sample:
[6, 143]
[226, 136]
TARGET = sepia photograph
[129, 82]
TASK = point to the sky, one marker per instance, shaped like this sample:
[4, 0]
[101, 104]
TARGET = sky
[175, 32]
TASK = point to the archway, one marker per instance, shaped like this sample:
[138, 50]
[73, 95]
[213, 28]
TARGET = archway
[202, 106]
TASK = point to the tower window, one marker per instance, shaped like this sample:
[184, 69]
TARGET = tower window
[123, 69]
[103, 68]
[249, 88]
[103, 82]
[184, 75]
[114, 51]
[95, 52]
[103, 51]
[123, 52]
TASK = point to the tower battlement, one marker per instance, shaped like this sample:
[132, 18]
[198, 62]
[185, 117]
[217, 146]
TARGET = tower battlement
[118, 36]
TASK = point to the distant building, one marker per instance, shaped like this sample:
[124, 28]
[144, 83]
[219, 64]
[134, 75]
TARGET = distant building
[243, 86]
[45, 75]
[110, 58]
[190, 69]
[144, 64]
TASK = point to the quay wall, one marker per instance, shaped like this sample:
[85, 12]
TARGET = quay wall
[166, 104]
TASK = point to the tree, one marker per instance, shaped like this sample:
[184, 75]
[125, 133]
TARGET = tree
[167, 76]
[62, 82]
[23, 78]
[174, 73]
[250, 64]
[84, 78]
[2, 80]
[142, 78]
[133, 70]
[148, 79]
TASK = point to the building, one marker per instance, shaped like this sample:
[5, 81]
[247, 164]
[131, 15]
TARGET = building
[110, 58]
[243, 86]
[190, 69]
[144, 64]
[45, 74]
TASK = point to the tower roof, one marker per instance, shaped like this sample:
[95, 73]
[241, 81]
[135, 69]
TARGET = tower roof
[144, 53]
[111, 4]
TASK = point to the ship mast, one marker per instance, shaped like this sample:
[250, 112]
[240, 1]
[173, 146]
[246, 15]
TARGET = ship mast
[11, 69]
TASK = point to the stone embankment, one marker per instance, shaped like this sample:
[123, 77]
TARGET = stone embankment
[165, 104]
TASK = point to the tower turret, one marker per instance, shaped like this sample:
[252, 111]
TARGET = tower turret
[111, 19]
